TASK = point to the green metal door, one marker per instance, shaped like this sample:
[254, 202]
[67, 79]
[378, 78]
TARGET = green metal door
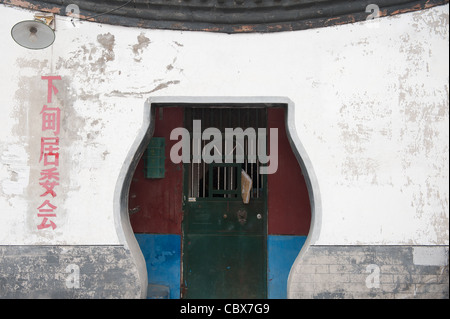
[224, 238]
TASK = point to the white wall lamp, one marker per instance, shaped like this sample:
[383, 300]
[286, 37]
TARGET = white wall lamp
[35, 34]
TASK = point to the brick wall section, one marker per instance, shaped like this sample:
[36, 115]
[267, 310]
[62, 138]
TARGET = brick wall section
[371, 272]
[49, 272]
[323, 272]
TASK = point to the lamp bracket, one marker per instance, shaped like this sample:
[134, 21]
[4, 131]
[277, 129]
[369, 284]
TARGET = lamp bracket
[47, 18]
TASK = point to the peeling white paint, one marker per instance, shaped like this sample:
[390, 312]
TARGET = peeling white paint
[15, 160]
[371, 111]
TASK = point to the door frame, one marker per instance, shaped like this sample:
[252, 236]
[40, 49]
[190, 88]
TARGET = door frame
[120, 212]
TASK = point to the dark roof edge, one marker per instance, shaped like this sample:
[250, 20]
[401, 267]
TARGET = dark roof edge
[317, 14]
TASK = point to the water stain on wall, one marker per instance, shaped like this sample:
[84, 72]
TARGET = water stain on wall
[139, 47]
[90, 60]
[30, 97]
[107, 42]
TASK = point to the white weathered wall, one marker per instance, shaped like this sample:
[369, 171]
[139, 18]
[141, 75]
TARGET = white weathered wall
[371, 110]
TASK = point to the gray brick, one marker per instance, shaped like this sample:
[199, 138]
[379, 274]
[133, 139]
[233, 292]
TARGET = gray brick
[358, 287]
[386, 279]
[373, 295]
[436, 295]
[424, 279]
[431, 288]
[328, 286]
[304, 278]
[339, 294]
[311, 269]
[398, 288]
[322, 269]
[403, 295]
[402, 278]
[40, 272]
[302, 295]
[393, 269]
[443, 279]
[304, 287]
[305, 269]
[347, 268]
[340, 272]
[332, 278]
[357, 278]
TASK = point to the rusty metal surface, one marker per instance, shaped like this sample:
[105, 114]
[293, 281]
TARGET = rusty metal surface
[228, 16]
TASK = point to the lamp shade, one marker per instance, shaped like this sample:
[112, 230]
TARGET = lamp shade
[33, 34]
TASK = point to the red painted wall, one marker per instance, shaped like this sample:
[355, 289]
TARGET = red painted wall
[160, 200]
[288, 201]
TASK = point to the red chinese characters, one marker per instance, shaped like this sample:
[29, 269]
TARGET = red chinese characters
[49, 157]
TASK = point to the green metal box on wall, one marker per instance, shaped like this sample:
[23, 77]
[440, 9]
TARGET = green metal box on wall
[154, 158]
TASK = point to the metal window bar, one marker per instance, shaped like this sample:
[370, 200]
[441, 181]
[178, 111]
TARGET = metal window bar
[227, 178]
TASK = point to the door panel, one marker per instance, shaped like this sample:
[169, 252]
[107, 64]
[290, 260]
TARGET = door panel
[225, 266]
[222, 217]
[224, 249]
[224, 239]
